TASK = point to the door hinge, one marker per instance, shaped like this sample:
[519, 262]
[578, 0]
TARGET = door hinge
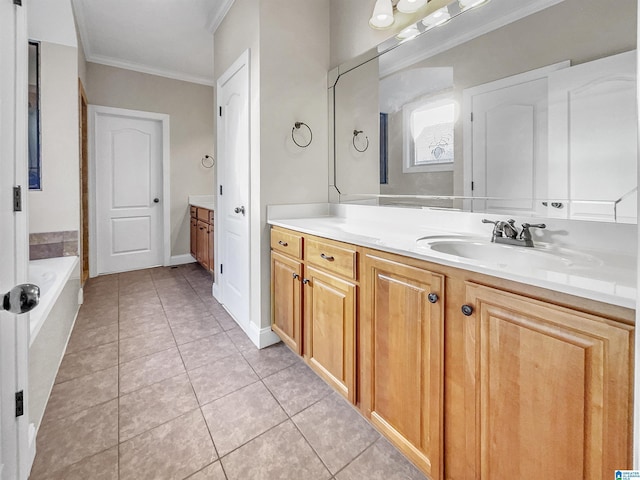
[472, 116]
[221, 269]
[220, 111]
[20, 403]
[17, 2]
[472, 186]
[220, 189]
[17, 198]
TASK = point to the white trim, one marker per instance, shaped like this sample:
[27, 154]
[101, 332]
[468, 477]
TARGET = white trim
[93, 112]
[148, 69]
[181, 259]
[217, 16]
[434, 48]
[467, 125]
[262, 337]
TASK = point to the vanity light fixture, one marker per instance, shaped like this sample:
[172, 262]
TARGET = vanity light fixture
[408, 33]
[437, 18]
[410, 6]
[382, 14]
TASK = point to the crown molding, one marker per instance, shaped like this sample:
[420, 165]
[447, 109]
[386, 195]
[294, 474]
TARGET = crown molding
[138, 67]
[78, 11]
[216, 17]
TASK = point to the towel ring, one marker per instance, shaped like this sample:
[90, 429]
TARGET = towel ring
[207, 161]
[355, 135]
[297, 126]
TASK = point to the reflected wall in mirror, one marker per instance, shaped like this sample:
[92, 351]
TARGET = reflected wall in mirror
[34, 117]
[530, 106]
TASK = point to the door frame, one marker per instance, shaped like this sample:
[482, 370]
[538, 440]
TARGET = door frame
[83, 138]
[94, 111]
[467, 105]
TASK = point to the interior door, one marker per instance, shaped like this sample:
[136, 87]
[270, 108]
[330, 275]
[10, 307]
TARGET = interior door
[233, 194]
[128, 171]
[15, 455]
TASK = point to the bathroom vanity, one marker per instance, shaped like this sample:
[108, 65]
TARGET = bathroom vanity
[201, 233]
[469, 367]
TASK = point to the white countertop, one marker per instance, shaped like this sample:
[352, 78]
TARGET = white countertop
[202, 201]
[612, 281]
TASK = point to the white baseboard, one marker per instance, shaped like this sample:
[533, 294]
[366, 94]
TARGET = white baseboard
[181, 259]
[262, 337]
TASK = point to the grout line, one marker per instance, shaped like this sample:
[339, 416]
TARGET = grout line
[358, 456]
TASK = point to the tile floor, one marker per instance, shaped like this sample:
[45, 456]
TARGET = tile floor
[158, 382]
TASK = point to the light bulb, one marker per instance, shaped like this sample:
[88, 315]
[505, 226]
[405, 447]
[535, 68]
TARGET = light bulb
[408, 33]
[382, 14]
[436, 18]
[410, 6]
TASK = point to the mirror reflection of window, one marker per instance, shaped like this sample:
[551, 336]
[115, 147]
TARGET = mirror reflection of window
[34, 116]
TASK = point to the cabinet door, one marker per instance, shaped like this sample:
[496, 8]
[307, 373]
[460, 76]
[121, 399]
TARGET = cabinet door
[201, 243]
[329, 323]
[194, 237]
[286, 301]
[552, 389]
[401, 359]
[210, 236]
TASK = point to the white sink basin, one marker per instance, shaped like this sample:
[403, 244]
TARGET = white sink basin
[541, 257]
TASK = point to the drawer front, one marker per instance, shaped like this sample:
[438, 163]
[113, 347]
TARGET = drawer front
[286, 242]
[193, 211]
[340, 259]
[211, 217]
[203, 214]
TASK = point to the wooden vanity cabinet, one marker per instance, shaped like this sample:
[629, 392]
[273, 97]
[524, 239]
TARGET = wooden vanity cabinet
[286, 300]
[548, 390]
[401, 357]
[202, 236]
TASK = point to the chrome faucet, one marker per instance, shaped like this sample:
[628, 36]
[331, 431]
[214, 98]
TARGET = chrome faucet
[507, 232]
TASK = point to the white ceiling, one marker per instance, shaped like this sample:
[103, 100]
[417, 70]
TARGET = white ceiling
[170, 38]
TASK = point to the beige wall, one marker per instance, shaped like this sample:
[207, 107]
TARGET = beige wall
[57, 207]
[190, 107]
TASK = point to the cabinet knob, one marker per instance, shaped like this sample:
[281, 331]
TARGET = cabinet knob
[326, 257]
[296, 276]
[284, 244]
[467, 310]
[433, 297]
[306, 281]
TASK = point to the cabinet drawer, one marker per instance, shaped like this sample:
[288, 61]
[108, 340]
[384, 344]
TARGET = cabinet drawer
[340, 259]
[203, 214]
[193, 211]
[210, 219]
[286, 242]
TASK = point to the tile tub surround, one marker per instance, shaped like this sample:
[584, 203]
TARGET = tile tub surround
[395, 230]
[53, 244]
[173, 388]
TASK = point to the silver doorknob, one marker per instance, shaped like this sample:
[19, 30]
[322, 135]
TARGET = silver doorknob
[21, 298]
[239, 210]
[156, 200]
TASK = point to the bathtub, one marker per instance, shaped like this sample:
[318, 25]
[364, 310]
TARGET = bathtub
[51, 323]
[51, 275]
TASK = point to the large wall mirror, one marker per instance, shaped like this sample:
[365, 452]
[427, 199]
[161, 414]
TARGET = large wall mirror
[513, 106]
[35, 149]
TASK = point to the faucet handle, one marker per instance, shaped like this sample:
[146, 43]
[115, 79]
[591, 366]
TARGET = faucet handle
[534, 225]
[484, 220]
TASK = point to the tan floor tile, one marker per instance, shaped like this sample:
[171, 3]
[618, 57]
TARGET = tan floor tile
[143, 325]
[270, 360]
[146, 344]
[280, 453]
[127, 313]
[212, 472]
[71, 397]
[91, 321]
[81, 363]
[206, 350]
[154, 405]
[241, 416]
[64, 442]
[221, 377]
[92, 337]
[188, 310]
[151, 369]
[240, 340]
[200, 327]
[173, 450]
[102, 466]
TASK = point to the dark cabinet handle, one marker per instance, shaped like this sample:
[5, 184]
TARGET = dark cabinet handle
[326, 257]
[296, 276]
[467, 310]
[306, 281]
[433, 297]
[284, 244]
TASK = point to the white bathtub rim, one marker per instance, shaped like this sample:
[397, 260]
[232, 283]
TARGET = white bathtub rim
[40, 314]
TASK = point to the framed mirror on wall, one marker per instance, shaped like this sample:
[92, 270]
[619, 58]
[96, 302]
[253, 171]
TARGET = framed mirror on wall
[511, 107]
[34, 131]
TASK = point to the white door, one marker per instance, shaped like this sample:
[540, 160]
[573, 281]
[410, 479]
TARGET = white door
[128, 160]
[233, 177]
[508, 131]
[593, 127]
[15, 456]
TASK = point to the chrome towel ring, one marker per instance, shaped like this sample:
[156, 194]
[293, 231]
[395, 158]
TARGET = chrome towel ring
[355, 135]
[296, 126]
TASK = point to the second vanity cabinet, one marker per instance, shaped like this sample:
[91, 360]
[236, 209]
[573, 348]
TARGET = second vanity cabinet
[202, 236]
[471, 376]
